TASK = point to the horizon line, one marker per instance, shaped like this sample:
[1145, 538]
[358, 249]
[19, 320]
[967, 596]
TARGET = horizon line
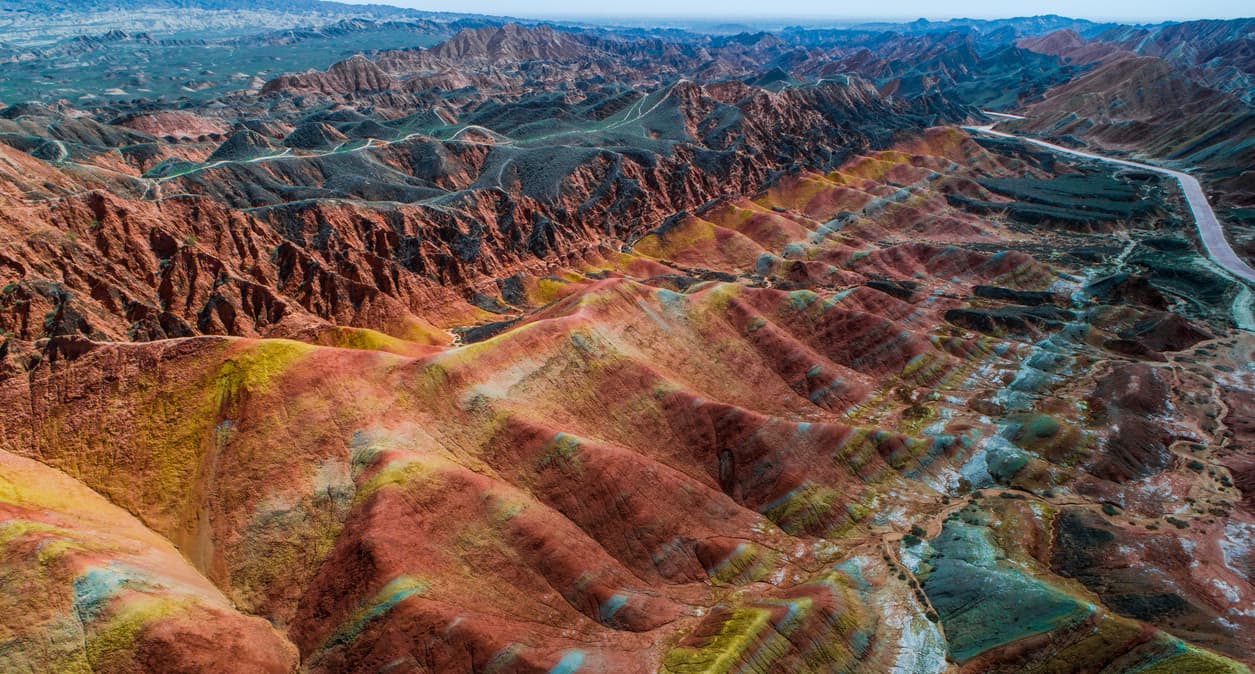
[734, 16]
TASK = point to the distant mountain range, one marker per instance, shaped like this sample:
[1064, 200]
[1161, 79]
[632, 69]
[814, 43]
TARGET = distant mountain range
[321, 6]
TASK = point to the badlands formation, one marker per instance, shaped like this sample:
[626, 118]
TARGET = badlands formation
[554, 349]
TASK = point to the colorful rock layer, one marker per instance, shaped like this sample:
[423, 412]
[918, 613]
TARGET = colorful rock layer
[853, 424]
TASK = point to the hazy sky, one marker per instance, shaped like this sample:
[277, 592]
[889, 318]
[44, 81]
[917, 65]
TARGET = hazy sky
[1126, 10]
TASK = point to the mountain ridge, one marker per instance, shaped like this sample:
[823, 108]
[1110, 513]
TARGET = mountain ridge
[463, 344]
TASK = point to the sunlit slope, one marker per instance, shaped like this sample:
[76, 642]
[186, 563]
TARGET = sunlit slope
[756, 440]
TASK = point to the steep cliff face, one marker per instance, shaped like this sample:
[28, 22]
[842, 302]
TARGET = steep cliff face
[285, 229]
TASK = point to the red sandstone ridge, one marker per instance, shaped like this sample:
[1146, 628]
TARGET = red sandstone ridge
[728, 404]
[176, 124]
[1150, 104]
[355, 74]
[258, 240]
[1178, 93]
[510, 42]
[468, 50]
[137, 604]
[553, 349]
[1070, 46]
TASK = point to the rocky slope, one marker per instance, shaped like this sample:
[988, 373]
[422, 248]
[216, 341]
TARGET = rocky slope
[588, 351]
[795, 432]
[341, 219]
[1181, 93]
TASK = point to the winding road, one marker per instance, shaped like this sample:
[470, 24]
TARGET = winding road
[1209, 229]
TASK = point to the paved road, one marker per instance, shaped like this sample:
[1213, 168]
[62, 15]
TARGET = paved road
[1002, 115]
[1209, 228]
